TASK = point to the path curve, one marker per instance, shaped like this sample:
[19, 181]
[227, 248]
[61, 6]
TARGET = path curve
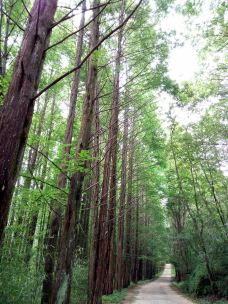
[156, 292]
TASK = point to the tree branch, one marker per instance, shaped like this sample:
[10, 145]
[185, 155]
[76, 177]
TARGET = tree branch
[74, 33]
[18, 25]
[88, 55]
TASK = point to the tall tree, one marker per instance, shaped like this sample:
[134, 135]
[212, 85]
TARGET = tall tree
[17, 111]
[62, 281]
[55, 218]
[104, 251]
[121, 218]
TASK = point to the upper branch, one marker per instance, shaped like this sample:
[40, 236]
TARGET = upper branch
[88, 55]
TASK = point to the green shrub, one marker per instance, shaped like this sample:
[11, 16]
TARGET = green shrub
[18, 283]
[79, 289]
[115, 298]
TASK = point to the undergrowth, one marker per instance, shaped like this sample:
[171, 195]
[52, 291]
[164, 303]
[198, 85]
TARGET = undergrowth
[116, 297]
[205, 300]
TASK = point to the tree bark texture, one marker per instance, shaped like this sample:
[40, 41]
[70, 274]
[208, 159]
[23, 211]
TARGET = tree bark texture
[60, 290]
[128, 234]
[17, 111]
[55, 218]
[119, 258]
[95, 200]
[105, 245]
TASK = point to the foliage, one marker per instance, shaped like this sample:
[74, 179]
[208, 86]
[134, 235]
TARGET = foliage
[80, 282]
[116, 297]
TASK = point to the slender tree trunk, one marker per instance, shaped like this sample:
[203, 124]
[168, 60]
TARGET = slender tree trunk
[17, 111]
[6, 39]
[84, 225]
[104, 250]
[119, 259]
[34, 150]
[55, 218]
[219, 210]
[199, 230]
[61, 287]
[128, 235]
[136, 249]
[95, 200]
[33, 223]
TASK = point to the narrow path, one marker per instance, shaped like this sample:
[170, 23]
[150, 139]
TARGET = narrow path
[156, 292]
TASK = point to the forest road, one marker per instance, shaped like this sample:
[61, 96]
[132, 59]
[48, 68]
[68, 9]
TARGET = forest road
[156, 292]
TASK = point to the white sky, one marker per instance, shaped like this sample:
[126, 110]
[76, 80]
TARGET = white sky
[183, 63]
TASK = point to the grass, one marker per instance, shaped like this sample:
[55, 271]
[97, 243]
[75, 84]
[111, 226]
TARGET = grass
[209, 301]
[116, 297]
[173, 272]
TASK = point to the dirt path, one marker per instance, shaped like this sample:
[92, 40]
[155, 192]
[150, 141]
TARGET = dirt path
[156, 292]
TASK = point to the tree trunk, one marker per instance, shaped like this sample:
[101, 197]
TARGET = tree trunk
[136, 249]
[95, 200]
[104, 250]
[33, 222]
[128, 235]
[83, 223]
[55, 218]
[17, 111]
[61, 287]
[119, 259]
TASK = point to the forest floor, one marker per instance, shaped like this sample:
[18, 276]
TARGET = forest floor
[156, 292]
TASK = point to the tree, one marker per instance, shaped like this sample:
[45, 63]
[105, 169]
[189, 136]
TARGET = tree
[17, 110]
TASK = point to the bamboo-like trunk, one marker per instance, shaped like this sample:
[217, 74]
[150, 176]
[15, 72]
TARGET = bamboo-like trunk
[33, 222]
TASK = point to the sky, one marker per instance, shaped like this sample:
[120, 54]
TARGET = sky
[183, 61]
[185, 67]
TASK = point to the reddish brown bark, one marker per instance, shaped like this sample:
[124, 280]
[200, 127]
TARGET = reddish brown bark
[128, 235]
[119, 258]
[55, 218]
[17, 111]
[136, 245]
[61, 287]
[95, 200]
[104, 251]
